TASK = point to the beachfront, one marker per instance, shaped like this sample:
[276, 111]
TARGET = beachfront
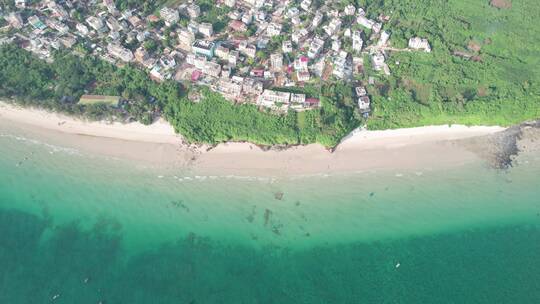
[158, 144]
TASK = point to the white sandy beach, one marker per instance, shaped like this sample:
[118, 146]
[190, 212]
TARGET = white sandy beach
[159, 132]
[362, 150]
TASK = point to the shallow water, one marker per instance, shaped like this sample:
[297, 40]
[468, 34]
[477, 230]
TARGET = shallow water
[81, 228]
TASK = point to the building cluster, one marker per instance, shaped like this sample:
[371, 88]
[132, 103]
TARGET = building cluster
[267, 45]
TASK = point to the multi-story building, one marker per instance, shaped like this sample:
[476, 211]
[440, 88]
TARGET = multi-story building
[169, 15]
[203, 47]
[14, 20]
[276, 61]
[269, 98]
[206, 29]
[120, 52]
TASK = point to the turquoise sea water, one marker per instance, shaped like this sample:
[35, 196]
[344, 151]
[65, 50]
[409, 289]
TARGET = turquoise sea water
[78, 228]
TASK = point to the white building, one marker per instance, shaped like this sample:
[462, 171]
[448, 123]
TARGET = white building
[15, 20]
[120, 52]
[273, 29]
[230, 3]
[82, 29]
[206, 29]
[305, 5]
[20, 3]
[333, 27]
[303, 76]
[222, 52]
[193, 11]
[316, 19]
[286, 46]
[357, 42]
[363, 21]
[269, 98]
[315, 47]
[298, 98]
[301, 63]
[185, 37]
[95, 23]
[299, 35]
[276, 61]
[336, 45]
[349, 10]
[418, 43]
[213, 69]
[377, 60]
[384, 39]
[363, 103]
[169, 15]
[360, 91]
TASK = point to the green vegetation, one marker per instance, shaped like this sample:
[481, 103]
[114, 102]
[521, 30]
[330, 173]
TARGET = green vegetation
[499, 84]
[215, 120]
[58, 86]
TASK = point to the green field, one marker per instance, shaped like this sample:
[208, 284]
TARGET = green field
[500, 86]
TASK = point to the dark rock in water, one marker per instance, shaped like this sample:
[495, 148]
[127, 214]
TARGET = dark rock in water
[297, 204]
[371, 194]
[251, 217]
[279, 195]
[276, 229]
[180, 204]
[267, 215]
[307, 234]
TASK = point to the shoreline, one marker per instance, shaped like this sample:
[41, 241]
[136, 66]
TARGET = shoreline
[158, 145]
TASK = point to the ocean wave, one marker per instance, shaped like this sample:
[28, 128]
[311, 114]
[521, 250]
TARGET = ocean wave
[52, 148]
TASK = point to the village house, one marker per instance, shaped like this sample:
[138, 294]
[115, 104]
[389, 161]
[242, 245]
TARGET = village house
[234, 55]
[317, 19]
[276, 61]
[273, 29]
[301, 63]
[206, 29]
[230, 3]
[212, 69]
[286, 46]
[269, 98]
[185, 38]
[205, 48]
[377, 60]
[82, 29]
[333, 27]
[193, 11]
[247, 49]
[96, 23]
[252, 86]
[315, 47]
[364, 103]
[229, 88]
[305, 5]
[237, 26]
[222, 52]
[14, 20]
[302, 76]
[169, 15]
[349, 10]
[357, 42]
[35, 22]
[120, 52]
[418, 43]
